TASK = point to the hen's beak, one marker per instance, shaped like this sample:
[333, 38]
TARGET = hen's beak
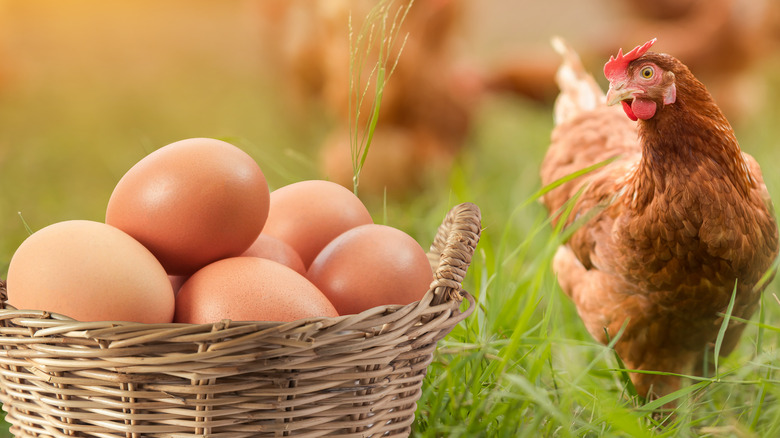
[620, 91]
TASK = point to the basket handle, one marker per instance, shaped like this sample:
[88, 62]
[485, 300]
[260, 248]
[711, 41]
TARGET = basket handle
[454, 244]
[3, 294]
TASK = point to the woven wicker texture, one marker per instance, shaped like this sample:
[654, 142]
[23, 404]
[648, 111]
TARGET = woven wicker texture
[351, 376]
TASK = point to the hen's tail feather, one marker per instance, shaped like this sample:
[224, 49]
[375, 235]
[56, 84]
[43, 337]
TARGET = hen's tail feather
[579, 91]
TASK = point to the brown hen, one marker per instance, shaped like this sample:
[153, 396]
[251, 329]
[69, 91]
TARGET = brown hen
[678, 221]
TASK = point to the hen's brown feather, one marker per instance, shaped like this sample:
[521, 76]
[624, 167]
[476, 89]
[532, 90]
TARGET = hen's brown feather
[683, 218]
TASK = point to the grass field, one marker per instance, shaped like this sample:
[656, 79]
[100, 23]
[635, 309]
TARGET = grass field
[521, 365]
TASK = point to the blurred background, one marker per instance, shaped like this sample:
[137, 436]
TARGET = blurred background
[88, 88]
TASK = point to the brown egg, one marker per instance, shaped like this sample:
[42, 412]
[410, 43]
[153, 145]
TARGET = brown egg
[309, 214]
[192, 202]
[249, 289]
[269, 247]
[371, 265]
[89, 271]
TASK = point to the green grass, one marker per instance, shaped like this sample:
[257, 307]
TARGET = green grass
[522, 364]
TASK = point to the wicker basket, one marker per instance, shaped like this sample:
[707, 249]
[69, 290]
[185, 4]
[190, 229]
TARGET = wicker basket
[350, 376]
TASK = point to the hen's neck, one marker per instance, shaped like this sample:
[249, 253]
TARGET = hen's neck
[685, 142]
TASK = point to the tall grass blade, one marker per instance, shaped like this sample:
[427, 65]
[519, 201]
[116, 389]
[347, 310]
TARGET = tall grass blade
[676, 395]
[563, 180]
[723, 327]
[24, 222]
[361, 47]
[768, 275]
[624, 377]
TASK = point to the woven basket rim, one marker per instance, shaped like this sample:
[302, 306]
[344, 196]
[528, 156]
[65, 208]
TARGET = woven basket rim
[462, 224]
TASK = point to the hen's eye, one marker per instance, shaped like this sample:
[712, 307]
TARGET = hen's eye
[647, 72]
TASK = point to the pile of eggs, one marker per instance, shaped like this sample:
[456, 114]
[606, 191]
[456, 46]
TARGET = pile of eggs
[192, 234]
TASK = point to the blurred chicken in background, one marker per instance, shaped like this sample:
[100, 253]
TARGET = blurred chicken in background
[428, 102]
[722, 41]
[431, 98]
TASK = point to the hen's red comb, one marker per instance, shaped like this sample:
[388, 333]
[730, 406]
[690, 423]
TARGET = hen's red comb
[618, 65]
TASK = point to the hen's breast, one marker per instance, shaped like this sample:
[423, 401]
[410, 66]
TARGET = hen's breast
[690, 245]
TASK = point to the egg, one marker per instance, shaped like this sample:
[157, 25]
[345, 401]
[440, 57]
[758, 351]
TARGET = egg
[192, 202]
[268, 247]
[307, 215]
[89, 271]
[249, 289]
[371, 265]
